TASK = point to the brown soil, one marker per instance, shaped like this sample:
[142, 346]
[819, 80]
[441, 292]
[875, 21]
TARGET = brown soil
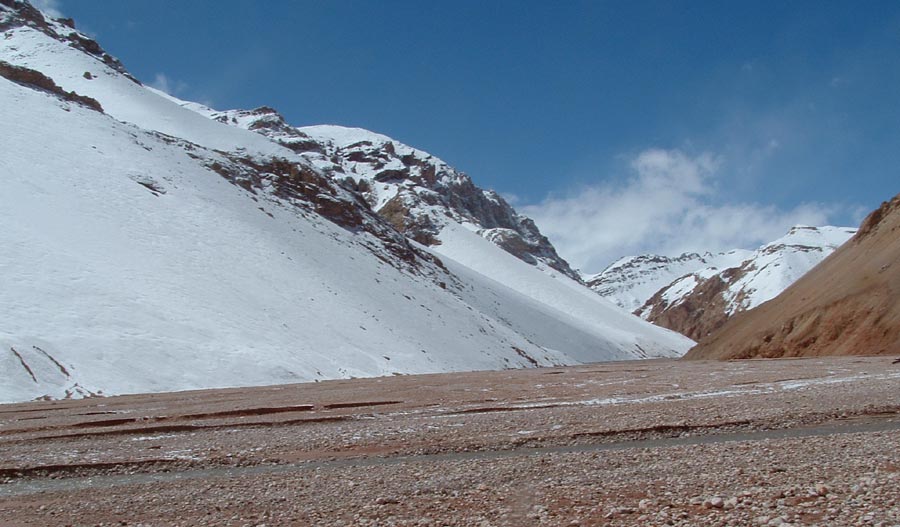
[847, 305]
[809, 442]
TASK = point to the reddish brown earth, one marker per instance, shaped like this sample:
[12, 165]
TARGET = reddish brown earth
[847, 305]
[802, 442]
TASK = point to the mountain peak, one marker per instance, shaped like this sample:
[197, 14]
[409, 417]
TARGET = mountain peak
[417, 192]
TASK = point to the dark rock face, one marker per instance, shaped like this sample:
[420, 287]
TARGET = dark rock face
[427, 193]
[270, 123]
[307, 190]
[698, 313]
[419, 227]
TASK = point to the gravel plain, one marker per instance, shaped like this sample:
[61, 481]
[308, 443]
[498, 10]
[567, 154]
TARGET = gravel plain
[761, 442]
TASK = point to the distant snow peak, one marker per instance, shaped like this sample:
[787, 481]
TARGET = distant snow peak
[631, 281]
[696, 294]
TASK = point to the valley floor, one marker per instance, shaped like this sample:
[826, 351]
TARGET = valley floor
[801, 442]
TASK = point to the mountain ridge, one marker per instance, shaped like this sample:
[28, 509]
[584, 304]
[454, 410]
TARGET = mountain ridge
[847, 305]
[709, 289]
[414, 190]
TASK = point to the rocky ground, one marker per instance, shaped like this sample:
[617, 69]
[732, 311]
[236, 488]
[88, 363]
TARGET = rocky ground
[786, 442]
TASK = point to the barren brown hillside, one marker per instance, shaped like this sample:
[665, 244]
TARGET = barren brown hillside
[847, 305]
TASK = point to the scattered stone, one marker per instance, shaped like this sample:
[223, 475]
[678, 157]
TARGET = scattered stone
[714, 503]
[678, 485]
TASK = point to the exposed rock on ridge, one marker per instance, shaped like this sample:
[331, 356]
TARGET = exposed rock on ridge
[415, 191]
[20, 13]
[35, 79]
[432, 192]
[306, 189]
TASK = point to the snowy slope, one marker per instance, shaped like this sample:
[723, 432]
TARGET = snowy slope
[463, 237]
[627, 337]
[776, 265]
[632, 280]
[194, 286]
[120, 96]
[147, 247]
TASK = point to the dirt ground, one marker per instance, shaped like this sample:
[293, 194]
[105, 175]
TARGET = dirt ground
[779, 442]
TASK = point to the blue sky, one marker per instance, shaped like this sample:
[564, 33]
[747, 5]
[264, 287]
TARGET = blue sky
[621, 127]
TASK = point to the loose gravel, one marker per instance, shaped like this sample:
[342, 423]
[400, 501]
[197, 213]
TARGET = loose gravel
[788, 442]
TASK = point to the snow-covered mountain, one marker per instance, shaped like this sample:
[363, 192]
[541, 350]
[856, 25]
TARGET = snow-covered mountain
[631, 281]
[415, 191]
[847, 305]
[695, 294]
[149, 247]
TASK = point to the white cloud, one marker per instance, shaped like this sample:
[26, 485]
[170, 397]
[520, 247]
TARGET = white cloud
[163, 83]
[670, 205]
[50, 8]
[512, 199]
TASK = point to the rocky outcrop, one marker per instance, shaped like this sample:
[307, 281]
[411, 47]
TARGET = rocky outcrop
[18, 13]
[37, 80]
[427, 193]
[848, 305]
[703, 310]
[305, 189]
[413, 190]
[268, 122]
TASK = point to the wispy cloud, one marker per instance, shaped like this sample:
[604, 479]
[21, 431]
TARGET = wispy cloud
[511, 198]
[163, 83]
[672, 203]
[51, 8]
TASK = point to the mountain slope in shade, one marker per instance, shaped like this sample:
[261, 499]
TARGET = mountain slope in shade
[848, 305]
[150, 248]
